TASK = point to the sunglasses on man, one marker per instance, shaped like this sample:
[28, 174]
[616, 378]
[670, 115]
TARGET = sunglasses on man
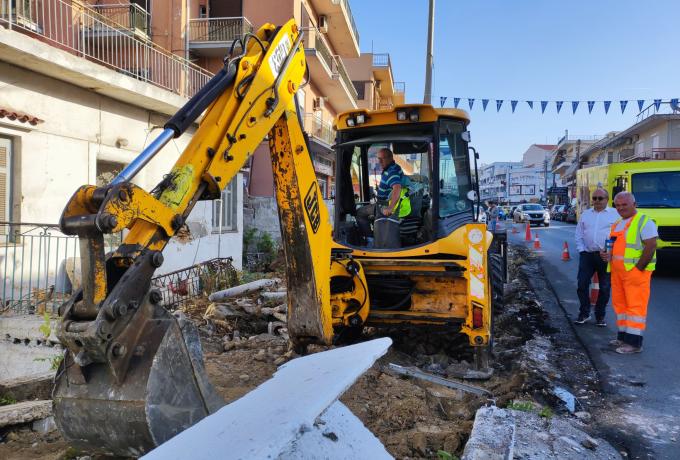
[599, 198]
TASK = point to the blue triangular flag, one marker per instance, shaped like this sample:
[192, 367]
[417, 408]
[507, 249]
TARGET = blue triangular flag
[531, 104]
[591, 104]
[485, 102]
[470, 102]
[606, 106]
[558, 104]
[513, 104]
[641, 103]
[623, 105]
[499, 103]
[442, 101]
[456, 101]
[544, 104]
[574, 106]
[657, 104]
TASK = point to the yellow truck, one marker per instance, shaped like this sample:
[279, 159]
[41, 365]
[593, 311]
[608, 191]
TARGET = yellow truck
[656, 186]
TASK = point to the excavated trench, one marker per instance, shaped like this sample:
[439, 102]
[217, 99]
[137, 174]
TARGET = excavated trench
[413, 418]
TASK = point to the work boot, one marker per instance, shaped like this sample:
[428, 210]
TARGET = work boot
[600, 322]
[615, 343]
[582, 319]
[626, 349]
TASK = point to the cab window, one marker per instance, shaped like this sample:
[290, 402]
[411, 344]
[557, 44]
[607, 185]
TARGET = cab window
[454, 182]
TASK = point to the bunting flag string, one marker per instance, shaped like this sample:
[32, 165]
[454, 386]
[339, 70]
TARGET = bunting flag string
[606, 105]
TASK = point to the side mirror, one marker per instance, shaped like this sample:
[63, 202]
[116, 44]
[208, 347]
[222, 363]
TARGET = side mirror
[465, 135]
[472, 195]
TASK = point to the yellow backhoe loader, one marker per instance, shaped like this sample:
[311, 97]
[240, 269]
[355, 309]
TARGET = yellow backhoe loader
[133, 375]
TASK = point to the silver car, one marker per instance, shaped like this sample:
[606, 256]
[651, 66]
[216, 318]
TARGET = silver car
[533, 213]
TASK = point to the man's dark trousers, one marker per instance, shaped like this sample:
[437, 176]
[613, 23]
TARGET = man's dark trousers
[588, 264]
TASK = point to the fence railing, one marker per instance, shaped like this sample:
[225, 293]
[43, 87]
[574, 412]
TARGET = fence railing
[319, 129]
[39, 266]
[218, 29]
[667, 153]
[180, 287]
[80, 30]
[381, 60]
[399, 87]
[659, 108]
[130, 17]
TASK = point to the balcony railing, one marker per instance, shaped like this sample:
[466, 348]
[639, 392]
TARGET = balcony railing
[381, 60]
[218, 29]
[319, 129]
[662, 108]
[314, 39]
[351, 16]
[82, 31]
[399, 87]
[130, 17]
[667, 153]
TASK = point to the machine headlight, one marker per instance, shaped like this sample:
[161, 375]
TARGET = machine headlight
[413, 116]
[350, 122]
[360, 119]
[401, 115]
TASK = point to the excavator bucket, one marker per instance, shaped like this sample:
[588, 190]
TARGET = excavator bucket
[165, 391]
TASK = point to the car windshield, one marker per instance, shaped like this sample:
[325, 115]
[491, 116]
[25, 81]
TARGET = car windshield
[657, 190]
[532, 207]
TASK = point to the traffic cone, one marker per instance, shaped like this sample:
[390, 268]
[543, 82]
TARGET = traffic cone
[537, 244]
[565, 252]
[527, 235]
[594, 289]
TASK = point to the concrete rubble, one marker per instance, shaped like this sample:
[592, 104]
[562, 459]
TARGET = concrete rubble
[505, 434]
[24, 412]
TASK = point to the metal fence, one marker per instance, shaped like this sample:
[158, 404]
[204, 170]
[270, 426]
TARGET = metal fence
[314, 39]
[80, 30]
[319, 129]
[218, 29]
[39, 266]
[659, 108]
[381, 60]
[182, 286]
[131, 17]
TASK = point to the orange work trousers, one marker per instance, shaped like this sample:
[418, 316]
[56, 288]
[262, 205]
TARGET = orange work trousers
[630, 296]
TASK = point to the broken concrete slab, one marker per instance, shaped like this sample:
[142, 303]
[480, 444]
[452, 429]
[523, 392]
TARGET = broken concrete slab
[24, 412]
[265, 422]
[243, 289]
[26, 328]
[36, 386]
[22, 361]
[502, 434]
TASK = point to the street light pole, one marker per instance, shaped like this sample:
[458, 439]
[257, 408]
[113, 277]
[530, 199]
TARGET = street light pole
[427, 97]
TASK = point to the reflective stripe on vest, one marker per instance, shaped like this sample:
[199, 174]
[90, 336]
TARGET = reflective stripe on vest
[634, 245]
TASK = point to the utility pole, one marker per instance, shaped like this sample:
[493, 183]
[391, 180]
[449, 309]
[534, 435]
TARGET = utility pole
[427, 98]
[545, 180]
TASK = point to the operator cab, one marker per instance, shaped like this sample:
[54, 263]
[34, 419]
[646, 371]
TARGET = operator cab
[430, 147]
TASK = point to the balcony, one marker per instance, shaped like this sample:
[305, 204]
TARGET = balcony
[319, 130]
[342, 31]
[382, 70]
[667, 153]
[129, 18]
[399, 97]
[328, 72]
[212, 37]
[87, 33]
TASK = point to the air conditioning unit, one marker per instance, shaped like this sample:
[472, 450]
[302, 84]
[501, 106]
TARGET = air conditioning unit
[323, 24]
[318, 103]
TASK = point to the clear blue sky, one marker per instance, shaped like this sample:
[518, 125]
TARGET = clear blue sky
[531, 50]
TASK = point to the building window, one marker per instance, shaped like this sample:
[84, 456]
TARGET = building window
[224, 215]
[5, 184]
[360, 86]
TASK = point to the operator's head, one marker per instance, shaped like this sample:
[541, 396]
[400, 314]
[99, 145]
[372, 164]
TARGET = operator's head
[625, 204]
[385, 157]
[600, 198]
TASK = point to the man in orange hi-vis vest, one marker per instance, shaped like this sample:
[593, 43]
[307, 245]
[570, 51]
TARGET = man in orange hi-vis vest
[632, 260]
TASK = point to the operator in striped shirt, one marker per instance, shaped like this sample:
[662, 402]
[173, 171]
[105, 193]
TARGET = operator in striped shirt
[389, 192]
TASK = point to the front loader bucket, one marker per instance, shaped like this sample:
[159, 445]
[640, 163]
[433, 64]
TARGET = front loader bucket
[164, 392]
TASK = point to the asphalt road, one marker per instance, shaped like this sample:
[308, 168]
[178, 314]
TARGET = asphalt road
[645, 385]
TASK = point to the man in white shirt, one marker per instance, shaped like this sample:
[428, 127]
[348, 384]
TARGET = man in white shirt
[591, 232]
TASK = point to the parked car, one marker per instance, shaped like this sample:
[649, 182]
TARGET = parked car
[564, 213]
[571, 215]
[532, 213]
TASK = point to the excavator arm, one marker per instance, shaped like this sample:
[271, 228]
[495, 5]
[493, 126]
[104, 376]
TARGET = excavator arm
[133, 376]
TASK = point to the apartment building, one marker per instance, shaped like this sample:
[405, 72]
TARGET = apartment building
[566, 157]
[493, 180]
[374, 81]
[84, 90]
